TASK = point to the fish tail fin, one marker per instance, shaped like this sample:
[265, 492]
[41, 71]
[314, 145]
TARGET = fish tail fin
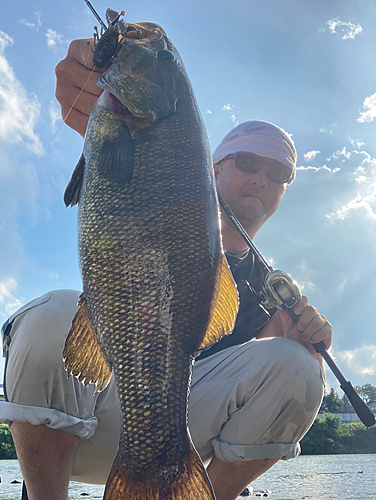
[186, 481]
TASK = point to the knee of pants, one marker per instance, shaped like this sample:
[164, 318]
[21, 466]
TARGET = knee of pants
[281, 396]
[290, 372]
[35, 352]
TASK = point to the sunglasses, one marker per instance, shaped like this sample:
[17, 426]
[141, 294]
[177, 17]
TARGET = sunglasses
[252, 163]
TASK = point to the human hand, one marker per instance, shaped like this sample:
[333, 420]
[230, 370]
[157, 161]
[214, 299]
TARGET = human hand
[71, 75]
[310, 329]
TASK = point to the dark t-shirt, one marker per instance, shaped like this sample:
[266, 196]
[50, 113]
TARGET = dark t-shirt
[251, 316]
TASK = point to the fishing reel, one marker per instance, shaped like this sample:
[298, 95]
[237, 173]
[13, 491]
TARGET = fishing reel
[279, 290]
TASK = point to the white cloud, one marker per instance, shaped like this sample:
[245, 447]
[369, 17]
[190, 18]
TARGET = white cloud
[234, 119]
[346, 29]
[307, 286]
[365, 201]
[209, 112]
[356, 143]
[328, 129]
[310, 155]
[35, 25]
[362, 179]
[54, 112]
[8, 301]
[271, 261]
[29, 25]
[227, 107]
[317, 169]
[361, 360]
[19, 112]
[340, 152]
[54, 38]
[369, 105]
[6, 287]
[362, 193]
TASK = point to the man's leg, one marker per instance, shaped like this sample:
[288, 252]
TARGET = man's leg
[241, 474]
[52, 416]
[46, 458]
[249, 407]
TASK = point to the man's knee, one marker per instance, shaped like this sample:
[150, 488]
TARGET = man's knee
[300, 374]
[38, 336]
[288, 364]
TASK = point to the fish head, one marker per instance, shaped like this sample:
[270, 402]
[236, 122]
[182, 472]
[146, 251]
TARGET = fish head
[145, 75]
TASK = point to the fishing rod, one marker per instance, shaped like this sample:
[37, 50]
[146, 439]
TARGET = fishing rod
[280, 290]
[96, 15]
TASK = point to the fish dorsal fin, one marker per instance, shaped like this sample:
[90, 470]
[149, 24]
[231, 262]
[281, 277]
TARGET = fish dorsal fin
[224, 308]
[82, 355]
[73, 190]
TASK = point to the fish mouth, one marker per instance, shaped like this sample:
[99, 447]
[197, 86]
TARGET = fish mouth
[120, 109]
[128, 111]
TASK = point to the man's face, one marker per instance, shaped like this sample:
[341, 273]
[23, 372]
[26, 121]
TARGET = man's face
[252, 197]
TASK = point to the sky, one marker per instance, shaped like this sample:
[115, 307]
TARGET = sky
[307, 67]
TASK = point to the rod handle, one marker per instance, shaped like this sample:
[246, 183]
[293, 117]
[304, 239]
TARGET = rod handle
[364, 413]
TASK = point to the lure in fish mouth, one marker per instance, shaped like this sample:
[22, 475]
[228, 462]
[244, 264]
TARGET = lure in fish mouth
[156, 285]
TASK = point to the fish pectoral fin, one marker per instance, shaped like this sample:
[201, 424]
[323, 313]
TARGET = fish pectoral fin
[116, 155]
[82, 355]
[224, 308]
[73, 190]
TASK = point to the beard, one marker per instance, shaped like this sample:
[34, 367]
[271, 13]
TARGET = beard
[249, 208]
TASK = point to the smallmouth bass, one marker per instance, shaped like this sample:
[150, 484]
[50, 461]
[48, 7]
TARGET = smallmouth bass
[156, 285]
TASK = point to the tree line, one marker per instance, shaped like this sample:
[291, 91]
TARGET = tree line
[7, 450]
[333, 404]
[328, 435]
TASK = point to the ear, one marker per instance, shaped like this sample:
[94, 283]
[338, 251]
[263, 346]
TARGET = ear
[217, 169]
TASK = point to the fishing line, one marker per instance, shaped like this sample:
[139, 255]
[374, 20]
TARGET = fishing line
[66, 116]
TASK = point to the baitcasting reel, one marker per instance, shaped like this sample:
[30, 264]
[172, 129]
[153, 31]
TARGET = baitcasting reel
[279, 290]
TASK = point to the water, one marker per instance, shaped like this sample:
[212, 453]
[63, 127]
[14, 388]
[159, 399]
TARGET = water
[320, 477]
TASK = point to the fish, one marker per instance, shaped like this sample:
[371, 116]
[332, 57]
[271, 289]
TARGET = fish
[156, 285]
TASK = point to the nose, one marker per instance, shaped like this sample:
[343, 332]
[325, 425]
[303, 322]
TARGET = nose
[260, 178]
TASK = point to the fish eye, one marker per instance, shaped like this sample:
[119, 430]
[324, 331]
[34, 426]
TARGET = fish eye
[166, 56]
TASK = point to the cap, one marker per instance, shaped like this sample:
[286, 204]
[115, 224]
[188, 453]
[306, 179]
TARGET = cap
[262, 138]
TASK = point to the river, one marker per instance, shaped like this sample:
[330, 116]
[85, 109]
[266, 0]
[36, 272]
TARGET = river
[317, 477]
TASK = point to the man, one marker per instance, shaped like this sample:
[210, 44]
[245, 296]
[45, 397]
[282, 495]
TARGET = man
[250, 402]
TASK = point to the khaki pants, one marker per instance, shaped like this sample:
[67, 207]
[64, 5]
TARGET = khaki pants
[251, 401]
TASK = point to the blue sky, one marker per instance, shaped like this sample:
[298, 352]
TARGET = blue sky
[308, 67]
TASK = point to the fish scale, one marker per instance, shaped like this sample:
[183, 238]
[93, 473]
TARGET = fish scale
[156, 286]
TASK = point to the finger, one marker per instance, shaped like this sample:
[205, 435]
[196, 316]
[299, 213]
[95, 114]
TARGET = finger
[323, 335]
[82, 51]
[70, 73]
[77, 120]
[81, 101]
[300, 305]
[313, 326]
[309, 312]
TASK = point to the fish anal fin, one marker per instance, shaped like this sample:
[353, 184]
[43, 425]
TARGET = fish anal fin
[73, 190]
[82, 355]
[186, 481]
[224, 309]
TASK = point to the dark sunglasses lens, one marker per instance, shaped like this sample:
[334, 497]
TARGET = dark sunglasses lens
[278, 173]
[248, 163]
